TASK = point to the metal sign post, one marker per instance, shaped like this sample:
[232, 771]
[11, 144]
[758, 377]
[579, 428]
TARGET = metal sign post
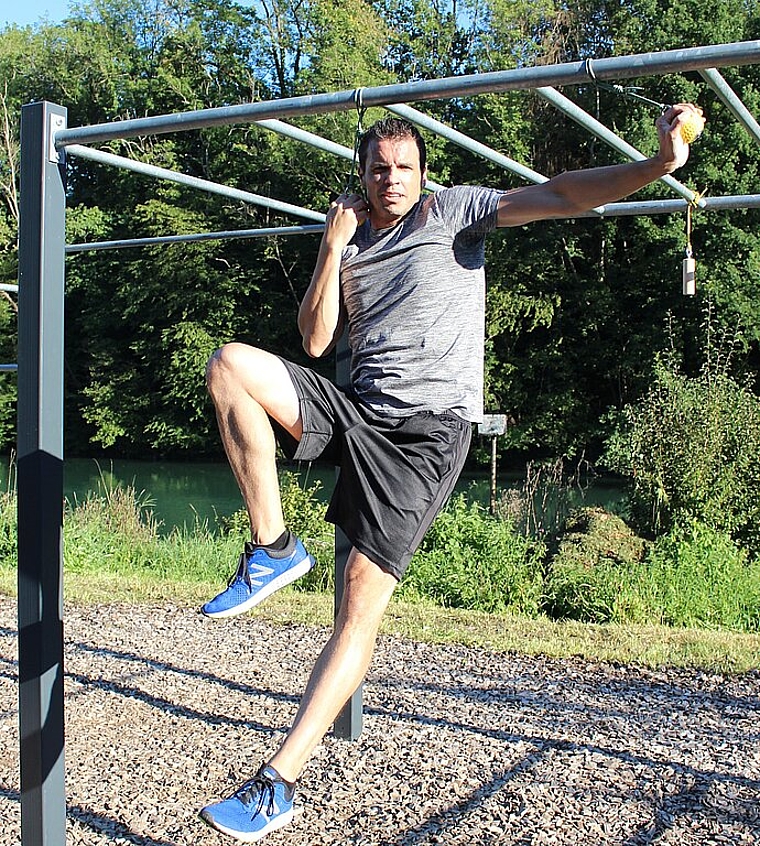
[493, 425]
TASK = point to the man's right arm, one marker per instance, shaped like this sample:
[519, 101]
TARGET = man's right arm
[321, 314]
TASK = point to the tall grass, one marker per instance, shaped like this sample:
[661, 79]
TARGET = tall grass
[693, 576]
[472, 560]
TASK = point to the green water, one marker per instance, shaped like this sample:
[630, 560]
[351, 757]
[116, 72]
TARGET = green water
[182, 494]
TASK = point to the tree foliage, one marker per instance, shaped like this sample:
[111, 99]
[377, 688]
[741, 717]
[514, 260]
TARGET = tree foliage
[576, 309]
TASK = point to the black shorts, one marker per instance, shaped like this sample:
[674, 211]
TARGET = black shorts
[396, 473]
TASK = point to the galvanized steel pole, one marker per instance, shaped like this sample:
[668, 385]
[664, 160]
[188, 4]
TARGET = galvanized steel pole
[570, 73]
[289, 131]
[192, 181]
[576, 113]
[40, 478]
[732, 102]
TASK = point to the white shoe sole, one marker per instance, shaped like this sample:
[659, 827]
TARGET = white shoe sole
[251, 837]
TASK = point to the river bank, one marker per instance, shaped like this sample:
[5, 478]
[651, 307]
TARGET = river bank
[183, 493]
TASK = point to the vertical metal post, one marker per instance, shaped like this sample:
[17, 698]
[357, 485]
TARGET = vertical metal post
[40, 477]
[348, 725]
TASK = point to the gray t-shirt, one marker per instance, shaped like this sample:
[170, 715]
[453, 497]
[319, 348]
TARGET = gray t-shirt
[415, 299]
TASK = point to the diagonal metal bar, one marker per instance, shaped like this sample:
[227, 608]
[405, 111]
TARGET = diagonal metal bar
[467, 143]
[570, 73]
[730, 99]
[102, 157]
[470, 144]
[572, 110]
[290, 131]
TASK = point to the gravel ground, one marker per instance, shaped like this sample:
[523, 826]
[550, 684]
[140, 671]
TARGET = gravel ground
[167, 710]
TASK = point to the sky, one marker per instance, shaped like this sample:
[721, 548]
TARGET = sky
[24, 12]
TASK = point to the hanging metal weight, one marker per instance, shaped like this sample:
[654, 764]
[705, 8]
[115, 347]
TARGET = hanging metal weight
[689, 266]
[689, 276]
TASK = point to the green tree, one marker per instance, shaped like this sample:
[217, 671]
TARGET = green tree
[576, 309]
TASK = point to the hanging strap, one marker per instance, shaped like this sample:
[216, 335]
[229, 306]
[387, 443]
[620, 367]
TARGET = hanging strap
[360, 112]
[690, 209]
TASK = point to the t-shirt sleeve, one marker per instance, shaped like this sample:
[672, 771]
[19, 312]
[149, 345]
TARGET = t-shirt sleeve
[468, 210]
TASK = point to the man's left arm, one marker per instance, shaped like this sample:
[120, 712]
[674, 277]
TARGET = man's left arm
[580, 190]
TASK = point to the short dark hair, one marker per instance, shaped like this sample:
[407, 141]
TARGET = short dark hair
[392, 127]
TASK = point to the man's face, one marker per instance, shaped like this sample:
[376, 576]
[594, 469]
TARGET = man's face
[392, 179]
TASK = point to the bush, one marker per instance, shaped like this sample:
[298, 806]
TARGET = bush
[694, 576]
[304, 515]
[690, 449]
[585, 578]
[469, 559]
[697, 577]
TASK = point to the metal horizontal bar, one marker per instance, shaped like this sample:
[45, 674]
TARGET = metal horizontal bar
[572, 110]
[8, 368]
[320, 143]
[731, 101]
[735, 201]
[570, 73]
[10, 287]
[200, 236]
[612, 210]
[191, 181]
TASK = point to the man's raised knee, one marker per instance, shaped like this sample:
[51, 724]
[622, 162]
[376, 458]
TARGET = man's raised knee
[226, 361]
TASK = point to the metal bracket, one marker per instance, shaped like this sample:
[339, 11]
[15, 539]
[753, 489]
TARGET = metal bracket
[58, 156]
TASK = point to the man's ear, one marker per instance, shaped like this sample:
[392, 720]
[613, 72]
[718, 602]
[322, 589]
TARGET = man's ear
[423, 181]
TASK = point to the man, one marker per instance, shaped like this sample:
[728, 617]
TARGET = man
[405, 275]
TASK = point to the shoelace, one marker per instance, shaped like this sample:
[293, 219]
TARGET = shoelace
[241, 572]
[256, 791]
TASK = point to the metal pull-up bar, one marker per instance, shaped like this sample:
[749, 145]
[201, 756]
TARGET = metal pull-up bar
[570, 73]
[40, 382]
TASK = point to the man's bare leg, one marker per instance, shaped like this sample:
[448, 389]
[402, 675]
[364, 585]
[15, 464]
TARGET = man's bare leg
[247, 385]
[342, 663]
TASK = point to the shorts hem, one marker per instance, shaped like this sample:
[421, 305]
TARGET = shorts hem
[392, 568]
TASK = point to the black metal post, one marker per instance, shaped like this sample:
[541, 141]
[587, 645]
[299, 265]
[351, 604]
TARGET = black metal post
[348, 725]
[40, 477]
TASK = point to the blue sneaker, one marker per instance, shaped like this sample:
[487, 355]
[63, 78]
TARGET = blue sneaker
[261, 805]
[259, 574]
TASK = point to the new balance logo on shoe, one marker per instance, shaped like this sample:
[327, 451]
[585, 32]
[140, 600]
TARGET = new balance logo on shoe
[261, 805]
[261, 570]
